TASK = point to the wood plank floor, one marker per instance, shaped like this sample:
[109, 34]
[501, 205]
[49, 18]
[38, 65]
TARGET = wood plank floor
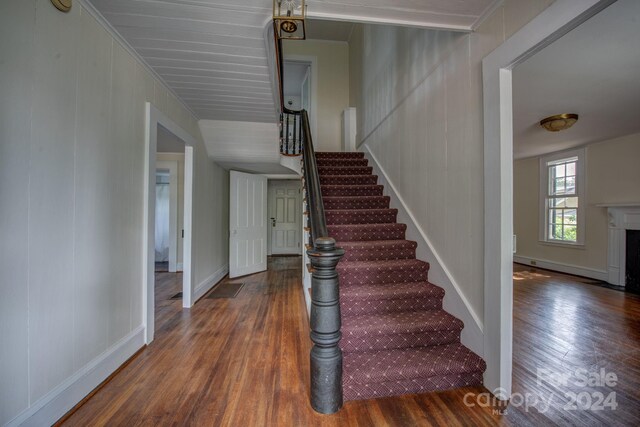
[244, 362]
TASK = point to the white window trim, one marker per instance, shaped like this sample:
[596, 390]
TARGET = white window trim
[580, 186]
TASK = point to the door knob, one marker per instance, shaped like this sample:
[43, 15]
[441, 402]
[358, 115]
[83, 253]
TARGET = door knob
[273, 222]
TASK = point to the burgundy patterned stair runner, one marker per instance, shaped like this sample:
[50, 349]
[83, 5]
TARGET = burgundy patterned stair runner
[396, 338]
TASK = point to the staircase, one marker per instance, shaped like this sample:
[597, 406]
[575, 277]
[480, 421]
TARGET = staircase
[396, 338]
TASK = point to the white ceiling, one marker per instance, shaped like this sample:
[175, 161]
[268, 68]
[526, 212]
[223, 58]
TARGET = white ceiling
[212, 53]
[594, 71]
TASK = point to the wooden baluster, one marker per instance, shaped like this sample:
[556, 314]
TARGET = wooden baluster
[300, 139]
[326, 356]
[281, 130]
[287, 135]
[295, 134]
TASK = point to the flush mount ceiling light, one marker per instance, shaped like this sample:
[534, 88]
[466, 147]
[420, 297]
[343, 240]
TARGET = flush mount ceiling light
[559, 122]
[289, 17]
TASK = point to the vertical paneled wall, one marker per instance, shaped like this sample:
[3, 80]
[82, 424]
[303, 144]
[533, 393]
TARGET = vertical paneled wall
[72, 118]
[419, 100]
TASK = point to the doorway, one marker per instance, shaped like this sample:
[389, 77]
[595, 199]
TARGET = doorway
[285, 218]
[169, 158]
[300, 85]
[554, 22]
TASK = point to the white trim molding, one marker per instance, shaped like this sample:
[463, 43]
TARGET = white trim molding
[51, 407]
[555, 21]
[622, 217]
[454, 300]
[576, 270]
[155, 117]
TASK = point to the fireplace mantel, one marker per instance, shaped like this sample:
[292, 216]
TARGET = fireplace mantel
[622, 217]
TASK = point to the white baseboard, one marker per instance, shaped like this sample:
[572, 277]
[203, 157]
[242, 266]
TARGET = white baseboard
[592, 273]
[454, 301]
[208, 283]
[63, 398]
[179, 267]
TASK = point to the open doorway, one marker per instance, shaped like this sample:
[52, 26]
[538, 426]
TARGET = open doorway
[556, 21]
[299, 87]
[565, 195]
[169, 224]
[168, 202]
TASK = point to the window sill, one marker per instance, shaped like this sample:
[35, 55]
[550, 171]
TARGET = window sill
[562, 244]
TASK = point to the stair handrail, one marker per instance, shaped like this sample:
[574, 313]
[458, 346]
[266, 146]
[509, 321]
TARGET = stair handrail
[324, 322]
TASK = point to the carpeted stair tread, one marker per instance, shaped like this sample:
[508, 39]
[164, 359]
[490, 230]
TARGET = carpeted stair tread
[370, 250]
[382, 272]
[405, 322]
[386, 298]
[404, 364]
[349, 170]
[356, 202]
[393, 291]
[351, 190]
[398, 329]
[414, 370]
[341, 162]
[360, 216]
[361, 232]
[356, 391]
[339, 155]
[348, 179]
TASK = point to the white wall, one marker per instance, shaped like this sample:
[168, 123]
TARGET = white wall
[72, 114]
[419, 104]
[332, 87]
[612, 176]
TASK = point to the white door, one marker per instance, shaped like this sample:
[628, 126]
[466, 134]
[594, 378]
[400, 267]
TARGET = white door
[247, 224]
[285, 217]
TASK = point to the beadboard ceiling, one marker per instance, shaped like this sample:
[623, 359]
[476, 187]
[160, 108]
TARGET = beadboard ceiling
[212, 53]
[592, 71]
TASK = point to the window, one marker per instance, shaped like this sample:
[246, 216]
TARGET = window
[561, 191]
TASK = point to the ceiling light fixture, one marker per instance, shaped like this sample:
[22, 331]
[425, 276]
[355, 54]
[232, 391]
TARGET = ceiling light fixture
[289, 17]
[559, 122]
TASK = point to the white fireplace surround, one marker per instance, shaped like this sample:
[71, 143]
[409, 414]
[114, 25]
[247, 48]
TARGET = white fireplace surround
[622, 217]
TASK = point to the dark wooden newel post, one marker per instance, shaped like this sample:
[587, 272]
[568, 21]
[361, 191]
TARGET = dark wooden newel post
[326, 356]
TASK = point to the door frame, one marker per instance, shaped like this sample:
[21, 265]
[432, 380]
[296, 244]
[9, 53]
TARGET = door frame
[155, 117]
[172, 167]
[557, 20]
[269, 212]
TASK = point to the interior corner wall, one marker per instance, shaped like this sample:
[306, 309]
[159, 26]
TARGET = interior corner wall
[420, 113]
[72, 161]
[332, 87]
[612, 175]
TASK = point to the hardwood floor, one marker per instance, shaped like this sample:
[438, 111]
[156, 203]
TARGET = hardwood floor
[569, 326]
[244, 362]
[167, 285]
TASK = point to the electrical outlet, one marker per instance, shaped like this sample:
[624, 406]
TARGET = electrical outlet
[533, 262]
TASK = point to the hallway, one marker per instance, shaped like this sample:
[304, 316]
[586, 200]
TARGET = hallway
[244, 362]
